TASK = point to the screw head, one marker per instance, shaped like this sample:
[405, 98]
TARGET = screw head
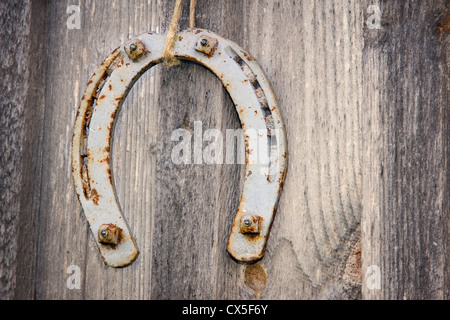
[251, 224]
[206, 45]
[135, 50]
[109, 234]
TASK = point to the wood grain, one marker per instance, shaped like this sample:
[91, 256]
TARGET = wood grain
[14, 28]
[405, 216]
[365, 112]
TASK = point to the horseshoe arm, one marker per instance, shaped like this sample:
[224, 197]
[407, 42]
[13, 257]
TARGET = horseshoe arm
[266, 146]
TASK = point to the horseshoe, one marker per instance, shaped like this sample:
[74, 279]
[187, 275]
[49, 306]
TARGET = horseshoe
[262, 125]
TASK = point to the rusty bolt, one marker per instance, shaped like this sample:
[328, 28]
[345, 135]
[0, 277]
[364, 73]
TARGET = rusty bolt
[135, 50]
[206, 45]
[109, 234]
[247, 222]
[251, 224]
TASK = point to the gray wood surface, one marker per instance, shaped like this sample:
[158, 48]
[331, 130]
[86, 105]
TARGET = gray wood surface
[405, 190]
[13, 74]
[366, 112]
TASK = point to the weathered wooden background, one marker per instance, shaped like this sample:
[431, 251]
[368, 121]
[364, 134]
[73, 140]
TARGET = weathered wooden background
[366, 112]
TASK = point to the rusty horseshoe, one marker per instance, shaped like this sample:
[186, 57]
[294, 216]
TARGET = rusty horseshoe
[262, 125]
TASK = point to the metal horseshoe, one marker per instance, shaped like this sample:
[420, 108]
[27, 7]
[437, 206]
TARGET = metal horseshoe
[262, 125]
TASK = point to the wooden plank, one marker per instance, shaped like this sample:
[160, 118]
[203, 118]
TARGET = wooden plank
[314, 66]
[405, 190]
[32, 151]
[61, 225]
[14, 27]
[194, 204]
[23, 71]
[133, 159]
[446, 192]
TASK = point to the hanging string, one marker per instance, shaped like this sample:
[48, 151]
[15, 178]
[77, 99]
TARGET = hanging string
[169, 57]
[192, 14]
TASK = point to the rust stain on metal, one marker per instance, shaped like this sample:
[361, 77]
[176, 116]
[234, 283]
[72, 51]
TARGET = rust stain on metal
[255, 278]
[135, 50]
[248, 56]
[251, 225]
[253, 238]
[110, 176]
[110, 235]
[107, 159]
[206, 45]
[89, 99]
[85, 182]
[282, 178]
[95, 196]
[119, 63]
